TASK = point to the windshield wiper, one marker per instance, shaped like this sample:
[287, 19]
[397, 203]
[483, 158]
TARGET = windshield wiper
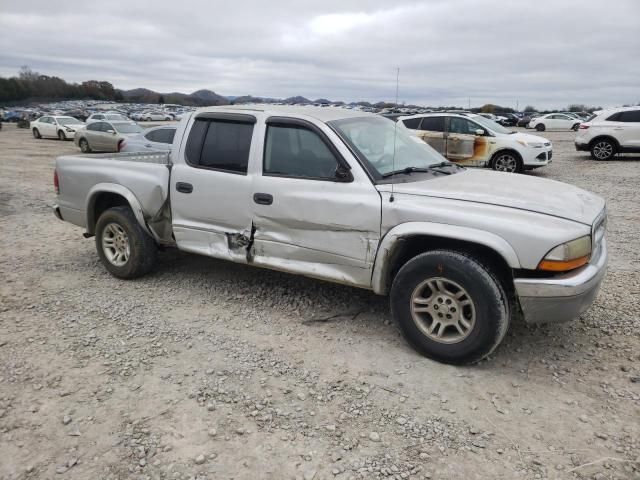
[431, 168]
[406, 171]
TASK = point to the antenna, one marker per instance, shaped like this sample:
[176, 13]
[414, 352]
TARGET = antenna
[395, 134]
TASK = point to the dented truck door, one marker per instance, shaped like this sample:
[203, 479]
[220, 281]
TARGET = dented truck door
[315, 212]
[210, 186]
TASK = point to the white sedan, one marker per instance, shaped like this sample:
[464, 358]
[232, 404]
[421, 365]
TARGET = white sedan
[53, 126]
[156, 116]
[554, 121]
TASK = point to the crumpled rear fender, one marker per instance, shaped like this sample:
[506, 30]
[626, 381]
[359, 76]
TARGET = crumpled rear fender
[99, 188]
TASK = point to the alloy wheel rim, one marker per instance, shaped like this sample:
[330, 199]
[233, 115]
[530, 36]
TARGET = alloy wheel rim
[443, 310]
[506, 163]
[603, 150]
[115, 244]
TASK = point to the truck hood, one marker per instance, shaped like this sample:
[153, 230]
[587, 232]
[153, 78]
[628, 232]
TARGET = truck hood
[511, 190]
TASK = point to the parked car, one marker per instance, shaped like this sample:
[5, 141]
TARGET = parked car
[347, 197]
[156, 116]
[524, 121]
[554, 121]
[610, 132]
[474, 141]
[508, 119]
[61, 127]
[152, 139]
[103, 136]
[110, 117]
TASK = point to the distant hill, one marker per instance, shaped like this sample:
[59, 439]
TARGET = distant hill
[297, 99]
[200, 98]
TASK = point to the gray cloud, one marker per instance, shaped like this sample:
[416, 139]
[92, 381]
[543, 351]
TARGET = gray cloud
[548, 53]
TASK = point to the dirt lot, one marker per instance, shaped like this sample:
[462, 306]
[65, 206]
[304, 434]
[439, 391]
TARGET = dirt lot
[210, 370]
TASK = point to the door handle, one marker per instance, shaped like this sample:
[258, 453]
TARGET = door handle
[263, 198]
[183, 187]
[148, 145]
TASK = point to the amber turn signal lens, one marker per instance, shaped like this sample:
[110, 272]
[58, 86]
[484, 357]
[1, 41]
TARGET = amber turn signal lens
[563, 266]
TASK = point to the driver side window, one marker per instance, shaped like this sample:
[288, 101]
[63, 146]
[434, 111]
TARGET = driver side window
[293, 151]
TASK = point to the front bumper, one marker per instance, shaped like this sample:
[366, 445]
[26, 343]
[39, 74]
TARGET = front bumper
[582, 147]
[538, 157]
[562, 298]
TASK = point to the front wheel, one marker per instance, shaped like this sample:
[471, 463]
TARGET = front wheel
[450, 307]
[61, 135]
[36, 133]
[507, 162]
[540, 127]
[126, 250]
[575, 127]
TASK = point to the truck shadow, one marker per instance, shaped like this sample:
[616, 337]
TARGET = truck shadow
[313, 303]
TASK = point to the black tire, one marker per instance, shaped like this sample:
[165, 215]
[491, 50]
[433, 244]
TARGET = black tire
[61, 135]
[507, 161]
[489, 303]
[575, 127]
[148, 119]
[84, 146]
[540, 127]
[603, 149]
[143, 250]
[36, 133]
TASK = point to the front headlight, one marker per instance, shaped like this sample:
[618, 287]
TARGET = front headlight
[568, 256]
[524, 143]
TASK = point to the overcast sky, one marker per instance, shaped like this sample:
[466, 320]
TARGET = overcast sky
[548, 53]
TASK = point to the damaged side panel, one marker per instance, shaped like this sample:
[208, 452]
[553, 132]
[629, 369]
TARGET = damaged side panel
[320, 229]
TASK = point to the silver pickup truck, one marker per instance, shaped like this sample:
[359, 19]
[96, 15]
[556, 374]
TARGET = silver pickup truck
[347, 197]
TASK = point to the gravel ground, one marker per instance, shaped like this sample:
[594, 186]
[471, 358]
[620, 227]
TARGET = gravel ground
[211, 370]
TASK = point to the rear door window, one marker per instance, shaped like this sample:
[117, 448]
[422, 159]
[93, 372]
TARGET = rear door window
[412, 123]
[219, 145]
[629, 116]
[432, 124]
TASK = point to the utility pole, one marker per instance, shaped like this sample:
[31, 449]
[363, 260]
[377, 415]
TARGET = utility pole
[517, 106]
[469, 104]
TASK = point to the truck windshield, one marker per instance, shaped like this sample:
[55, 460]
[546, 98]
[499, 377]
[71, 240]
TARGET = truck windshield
[373, 140]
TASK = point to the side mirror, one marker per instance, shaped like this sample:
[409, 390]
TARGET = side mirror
[480, 132]
[342, 174]
[113, 132]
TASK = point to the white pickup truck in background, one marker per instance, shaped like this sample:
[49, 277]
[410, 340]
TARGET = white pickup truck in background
[347, 197]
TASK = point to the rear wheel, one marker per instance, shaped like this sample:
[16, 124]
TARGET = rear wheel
[450, 307]
[36, 133]
[126, 250]
[540, 127]
[61, 135]
[603, 149]
[84, 146]
[507, 162]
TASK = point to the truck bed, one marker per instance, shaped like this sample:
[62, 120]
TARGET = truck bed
[141, 178]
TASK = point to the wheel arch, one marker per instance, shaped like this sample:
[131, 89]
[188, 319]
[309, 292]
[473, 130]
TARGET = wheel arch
[612, 139]
[107, 195]
[410, 239]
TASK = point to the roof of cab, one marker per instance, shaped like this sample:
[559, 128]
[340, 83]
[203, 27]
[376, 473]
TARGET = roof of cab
[323, 114]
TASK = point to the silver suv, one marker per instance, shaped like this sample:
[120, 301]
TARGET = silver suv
[610, 132]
